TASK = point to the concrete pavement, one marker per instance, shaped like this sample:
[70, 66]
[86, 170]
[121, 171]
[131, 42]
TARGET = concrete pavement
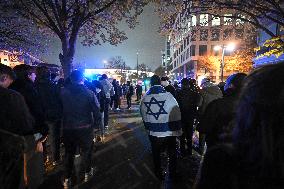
[124, 160]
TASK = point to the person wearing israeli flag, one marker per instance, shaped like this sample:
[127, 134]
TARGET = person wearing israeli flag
[162, 119]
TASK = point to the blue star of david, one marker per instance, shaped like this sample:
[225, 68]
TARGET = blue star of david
[159, 103]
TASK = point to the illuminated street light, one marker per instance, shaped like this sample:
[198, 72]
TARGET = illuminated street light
[105, 63]
[230, 47]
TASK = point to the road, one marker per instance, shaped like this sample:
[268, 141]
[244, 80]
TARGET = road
[124, 160]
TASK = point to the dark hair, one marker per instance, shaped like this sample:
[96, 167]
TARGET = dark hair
[185, 82]
[43, 73]
[104, 76]
[23, 71]
[165, 78]
[258, 136]
[155, 80]
[76, 76]
[8, 71]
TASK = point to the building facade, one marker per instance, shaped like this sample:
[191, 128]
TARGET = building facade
[195, 36]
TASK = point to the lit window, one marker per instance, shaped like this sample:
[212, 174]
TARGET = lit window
[193, 20]
[204, 20]
[227, 19]
[239, 20]
[216, 21]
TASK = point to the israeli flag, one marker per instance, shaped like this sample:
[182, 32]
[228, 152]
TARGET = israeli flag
[160, 113]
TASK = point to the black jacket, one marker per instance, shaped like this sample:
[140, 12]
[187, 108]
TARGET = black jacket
[188, 101]
[28, 90]
[171, 89]
[15, 116]
[80, 107]
[218, 119]
[49, 96]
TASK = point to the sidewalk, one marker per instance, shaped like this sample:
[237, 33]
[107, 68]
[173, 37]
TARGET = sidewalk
[124, 160]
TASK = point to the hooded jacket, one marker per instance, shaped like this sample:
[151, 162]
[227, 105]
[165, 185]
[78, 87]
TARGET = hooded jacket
[160, 113]
[80, 107]
[209, 92]
[106, 87]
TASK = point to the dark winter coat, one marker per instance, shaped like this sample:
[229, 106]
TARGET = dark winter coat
[218, 119]
[15, 116]
[171, 89]
[80, 107]
[188, 101]
[49, 96]
[28, 90]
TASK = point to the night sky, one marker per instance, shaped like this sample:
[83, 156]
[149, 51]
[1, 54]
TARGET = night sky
[143, 38]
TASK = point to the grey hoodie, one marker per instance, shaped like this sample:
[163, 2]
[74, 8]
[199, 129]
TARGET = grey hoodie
[209, 92]
[106, 87]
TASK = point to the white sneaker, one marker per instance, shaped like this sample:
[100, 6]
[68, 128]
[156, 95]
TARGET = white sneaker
[89, 175]
[117, 109]
[77, 155]
[106, 127]
[67, 183]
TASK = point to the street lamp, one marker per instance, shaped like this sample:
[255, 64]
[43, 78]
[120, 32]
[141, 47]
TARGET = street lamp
[105, 63]
[137, 63]
[230, 47]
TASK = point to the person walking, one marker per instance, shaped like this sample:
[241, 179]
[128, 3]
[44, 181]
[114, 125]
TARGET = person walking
[118, 94]
[188, 101]
[209, 92]
[36, 155]
[168, 87]
[162, 119]
[107, 88]
[138, 92]
[217, 121]
[49, 96]
[101, 98]
[80, 111]
[129, 93]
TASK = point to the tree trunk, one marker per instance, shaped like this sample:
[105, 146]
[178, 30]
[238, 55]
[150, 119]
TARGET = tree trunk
[66, 58]
[67, 64]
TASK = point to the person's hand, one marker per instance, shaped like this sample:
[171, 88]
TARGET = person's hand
[39, 147]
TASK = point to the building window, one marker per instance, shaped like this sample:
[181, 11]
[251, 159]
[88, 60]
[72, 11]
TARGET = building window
[216, 21]
[215, 35]
[239, 33]
[5, 60]
[193, 35]
[187, 40]
[228, 20]
[239, 20]
[202, 50]
[193, 20]
[187, 53]
[203, 20]
[184, 42]
[181, 48]
[204, 35]
[192, 50]
[228, 33]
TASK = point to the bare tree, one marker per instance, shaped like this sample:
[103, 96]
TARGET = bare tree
[93, 21]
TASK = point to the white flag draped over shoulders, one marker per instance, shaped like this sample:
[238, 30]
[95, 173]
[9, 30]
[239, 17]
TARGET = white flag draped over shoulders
[160, 113]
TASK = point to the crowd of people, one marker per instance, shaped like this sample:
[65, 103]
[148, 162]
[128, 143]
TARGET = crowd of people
[240, 125]
[39, 113]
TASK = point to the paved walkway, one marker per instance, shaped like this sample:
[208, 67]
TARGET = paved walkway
[124, 160]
